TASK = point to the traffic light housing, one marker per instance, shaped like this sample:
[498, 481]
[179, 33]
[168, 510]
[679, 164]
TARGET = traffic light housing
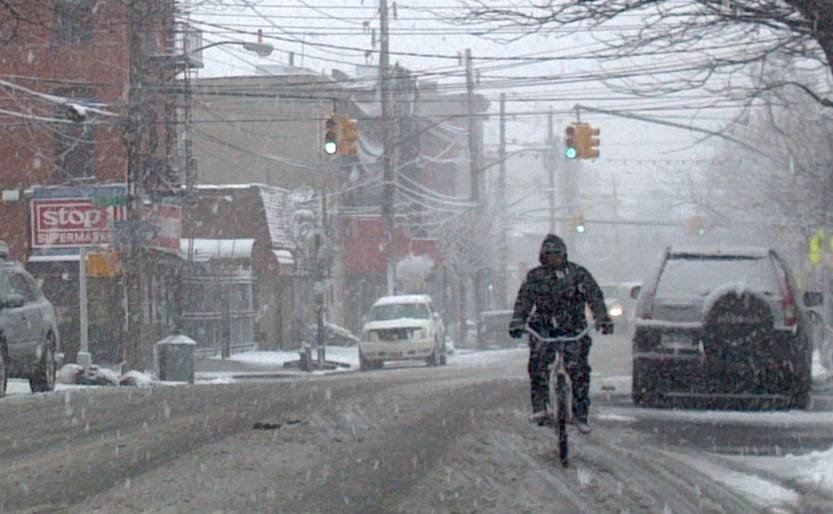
[588, 141]
[349, 135]
[570, 144]
[581, 141]
[331, 136]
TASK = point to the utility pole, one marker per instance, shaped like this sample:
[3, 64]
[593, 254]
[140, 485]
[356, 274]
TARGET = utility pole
[133, 137]
[550, 160]
[474, 164]
[388, 180]
[503, 243]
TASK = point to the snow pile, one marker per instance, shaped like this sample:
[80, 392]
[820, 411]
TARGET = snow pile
[816, 468]
[820, 373]
[73, 374]
[759, 490]
[277, 359]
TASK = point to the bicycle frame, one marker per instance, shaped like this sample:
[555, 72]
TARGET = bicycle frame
[560, 387]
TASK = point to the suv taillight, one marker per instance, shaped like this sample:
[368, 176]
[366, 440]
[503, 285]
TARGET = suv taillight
[788, 302]
[643, 308]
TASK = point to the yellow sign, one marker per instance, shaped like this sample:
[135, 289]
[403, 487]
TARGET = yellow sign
[104, 264]
[815, 247]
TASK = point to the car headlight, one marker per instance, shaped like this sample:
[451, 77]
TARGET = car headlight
[616, 311]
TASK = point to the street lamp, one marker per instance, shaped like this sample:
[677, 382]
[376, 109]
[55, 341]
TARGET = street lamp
[261, 49]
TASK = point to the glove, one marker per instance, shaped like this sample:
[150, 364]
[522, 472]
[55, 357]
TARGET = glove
[516, 331]
[606, 326]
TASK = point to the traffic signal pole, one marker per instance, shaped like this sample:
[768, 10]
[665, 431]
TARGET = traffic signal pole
[549, 158]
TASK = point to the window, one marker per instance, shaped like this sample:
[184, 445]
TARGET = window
[74, 142]
[5, 287]
[699, 275]
[391, 311]
[21, 286]
[73, 22]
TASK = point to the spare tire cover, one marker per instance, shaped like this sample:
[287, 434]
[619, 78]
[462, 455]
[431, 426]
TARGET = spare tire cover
[738, 337]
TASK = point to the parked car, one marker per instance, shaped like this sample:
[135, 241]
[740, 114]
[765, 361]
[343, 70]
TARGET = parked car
[494, 329]
[620, 300]
[718, 323]
[29, 338]
[401, 328]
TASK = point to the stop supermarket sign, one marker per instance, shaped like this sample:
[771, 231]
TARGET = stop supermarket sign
[69, 222]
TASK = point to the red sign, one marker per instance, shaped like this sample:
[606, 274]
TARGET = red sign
[72, 222]
[363, 239]
[167, 222]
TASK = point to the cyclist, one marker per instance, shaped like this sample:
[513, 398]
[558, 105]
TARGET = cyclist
[558, 290]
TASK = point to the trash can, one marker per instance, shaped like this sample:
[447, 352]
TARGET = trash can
[174, 359]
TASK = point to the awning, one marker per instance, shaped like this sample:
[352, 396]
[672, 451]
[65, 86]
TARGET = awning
[72, 257]
[205, 249]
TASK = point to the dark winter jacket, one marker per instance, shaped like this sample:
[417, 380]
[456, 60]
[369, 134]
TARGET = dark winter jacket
[560, 295]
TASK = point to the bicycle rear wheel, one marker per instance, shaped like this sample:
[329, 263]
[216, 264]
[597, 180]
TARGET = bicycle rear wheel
[561, 418]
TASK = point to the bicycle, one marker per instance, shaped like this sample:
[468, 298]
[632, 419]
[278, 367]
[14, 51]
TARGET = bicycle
[560, 388]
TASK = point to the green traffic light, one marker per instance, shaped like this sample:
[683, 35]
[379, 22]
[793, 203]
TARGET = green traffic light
[571, 153]
[580, 229]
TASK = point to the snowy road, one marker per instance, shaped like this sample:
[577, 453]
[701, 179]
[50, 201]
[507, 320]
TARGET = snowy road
[408, 439]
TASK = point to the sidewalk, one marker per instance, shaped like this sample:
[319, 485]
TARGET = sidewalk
[266, 363]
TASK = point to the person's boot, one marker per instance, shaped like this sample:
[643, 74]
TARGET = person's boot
[540, 418]
[583, 425]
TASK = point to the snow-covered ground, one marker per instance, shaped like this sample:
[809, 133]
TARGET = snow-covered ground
[813, 469]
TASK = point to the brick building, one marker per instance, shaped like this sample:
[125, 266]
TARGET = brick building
[82, 115]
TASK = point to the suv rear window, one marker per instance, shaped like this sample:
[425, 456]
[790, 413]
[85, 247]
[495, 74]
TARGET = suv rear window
[687, 275]
[400, 310]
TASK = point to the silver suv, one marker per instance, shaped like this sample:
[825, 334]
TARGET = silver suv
[722, 323]
[29, 337]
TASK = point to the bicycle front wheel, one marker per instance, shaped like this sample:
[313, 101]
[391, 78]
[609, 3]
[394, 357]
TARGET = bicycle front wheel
[561, 418]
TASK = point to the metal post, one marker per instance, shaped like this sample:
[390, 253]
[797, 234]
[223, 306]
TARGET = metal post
[84, 358]
[226, 322]
[319, 303]
[320, 340]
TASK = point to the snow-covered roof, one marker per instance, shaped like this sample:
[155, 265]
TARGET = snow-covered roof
[404, 298]
[740, 251]
[284, 257]
[205, 249]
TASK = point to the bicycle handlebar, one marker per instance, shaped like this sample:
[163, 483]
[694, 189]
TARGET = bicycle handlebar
[559, 339]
